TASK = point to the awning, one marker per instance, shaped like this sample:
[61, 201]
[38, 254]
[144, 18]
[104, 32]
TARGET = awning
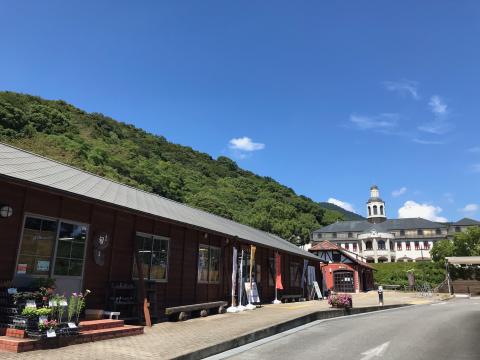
[464, 260]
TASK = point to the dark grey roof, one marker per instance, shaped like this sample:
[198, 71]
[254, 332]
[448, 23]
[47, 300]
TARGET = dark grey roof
[375, 199]
[386, 226]
[22, 165]
[467, 222]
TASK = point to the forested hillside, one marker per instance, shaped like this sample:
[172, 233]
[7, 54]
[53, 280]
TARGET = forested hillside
[124, 153]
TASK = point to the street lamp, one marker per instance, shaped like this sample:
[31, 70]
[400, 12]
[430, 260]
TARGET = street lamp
[5, 211]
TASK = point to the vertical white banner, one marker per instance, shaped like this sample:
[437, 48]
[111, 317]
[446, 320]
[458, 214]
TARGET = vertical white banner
[240, 280]
[234, 272]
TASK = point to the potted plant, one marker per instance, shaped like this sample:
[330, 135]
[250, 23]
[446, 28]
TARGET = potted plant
[340, 301]
[28, 320]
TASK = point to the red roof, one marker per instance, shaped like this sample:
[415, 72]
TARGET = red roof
[325, 245]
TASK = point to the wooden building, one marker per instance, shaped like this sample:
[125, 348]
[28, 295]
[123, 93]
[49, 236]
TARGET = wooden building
[343, 271]
[83, 230]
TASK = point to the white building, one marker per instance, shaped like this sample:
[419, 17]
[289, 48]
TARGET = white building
[378, 239]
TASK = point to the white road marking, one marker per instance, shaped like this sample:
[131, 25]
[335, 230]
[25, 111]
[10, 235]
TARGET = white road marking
[376, 351]
[441, 303]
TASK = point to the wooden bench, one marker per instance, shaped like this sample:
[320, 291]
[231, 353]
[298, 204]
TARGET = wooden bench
[184, 311]
[286, 298]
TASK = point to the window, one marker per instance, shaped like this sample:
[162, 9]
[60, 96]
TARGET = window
[368, 245]
[381, 245]
[295, 275]
[208, 264]
[70, 249]
[399, 245]
[153, 255]
[37, 246]
[391, 245]
[381, 209]
[271, 266]
[347, 246]
[426, 245]
[402, 232]
[369, 211]
[319, 236]
[407, 245]
[334, 235]
[417, 245]
[419, 232]
[375, 210]
[438, 231]
[355, 247]
[350, 235]
[457, 229]
[336, 257]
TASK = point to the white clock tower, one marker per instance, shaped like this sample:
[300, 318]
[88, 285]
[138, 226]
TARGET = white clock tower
[375, 207]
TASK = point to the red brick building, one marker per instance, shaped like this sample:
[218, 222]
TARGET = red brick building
[343, 271]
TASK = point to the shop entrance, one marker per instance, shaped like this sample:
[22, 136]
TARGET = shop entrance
[343, 281]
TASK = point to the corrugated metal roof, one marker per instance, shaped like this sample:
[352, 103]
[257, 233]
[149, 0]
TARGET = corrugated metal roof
[22, 165]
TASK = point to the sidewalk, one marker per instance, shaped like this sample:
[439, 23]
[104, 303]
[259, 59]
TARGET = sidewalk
[173, 339]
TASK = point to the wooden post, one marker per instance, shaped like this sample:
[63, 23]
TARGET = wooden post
[141, 283]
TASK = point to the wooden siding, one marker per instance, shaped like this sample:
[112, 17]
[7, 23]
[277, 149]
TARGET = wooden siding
[181, 288]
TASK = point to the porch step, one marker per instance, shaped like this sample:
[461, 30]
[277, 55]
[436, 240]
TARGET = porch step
[108, 333]
[13, 344]
[100, 324]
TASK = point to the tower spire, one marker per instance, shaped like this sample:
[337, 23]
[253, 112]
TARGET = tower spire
[375, 206]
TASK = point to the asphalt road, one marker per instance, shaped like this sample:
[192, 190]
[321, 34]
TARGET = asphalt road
[446, 330]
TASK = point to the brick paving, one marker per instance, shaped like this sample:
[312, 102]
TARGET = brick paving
[171, 339]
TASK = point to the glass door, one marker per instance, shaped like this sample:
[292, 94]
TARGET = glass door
[70, 257]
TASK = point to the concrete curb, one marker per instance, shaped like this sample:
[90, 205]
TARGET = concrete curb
[278, 328]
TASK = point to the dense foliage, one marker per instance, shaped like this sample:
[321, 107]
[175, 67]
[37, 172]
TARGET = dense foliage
[124, 153]
[465, 243]
[395, 273]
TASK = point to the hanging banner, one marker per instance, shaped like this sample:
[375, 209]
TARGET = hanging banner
[253, 249]
[240, 279]
[311, 275]
[278, 270]
[304, 272]
[234, 271]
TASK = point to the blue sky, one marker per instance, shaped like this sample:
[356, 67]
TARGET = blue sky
[325, 97]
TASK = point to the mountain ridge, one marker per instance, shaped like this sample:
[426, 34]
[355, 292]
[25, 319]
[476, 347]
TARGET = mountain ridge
[130, 155]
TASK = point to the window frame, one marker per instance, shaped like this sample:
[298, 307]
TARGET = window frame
[209, 247]
[51, 270]
[153, 237]
[399, 246]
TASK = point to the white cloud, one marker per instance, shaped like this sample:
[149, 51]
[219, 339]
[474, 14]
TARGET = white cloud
[401, 191]
[411, 209]
[475, 149]
[344, 205]
[449, 197]
[380, 122]
[475, 168]
[437, 105]
[469, 208]
[439, 125]
[403, 87]
[245, 144]
[428, 142]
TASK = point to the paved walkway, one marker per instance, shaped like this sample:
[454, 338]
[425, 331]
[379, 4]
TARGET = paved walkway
[171, 339]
